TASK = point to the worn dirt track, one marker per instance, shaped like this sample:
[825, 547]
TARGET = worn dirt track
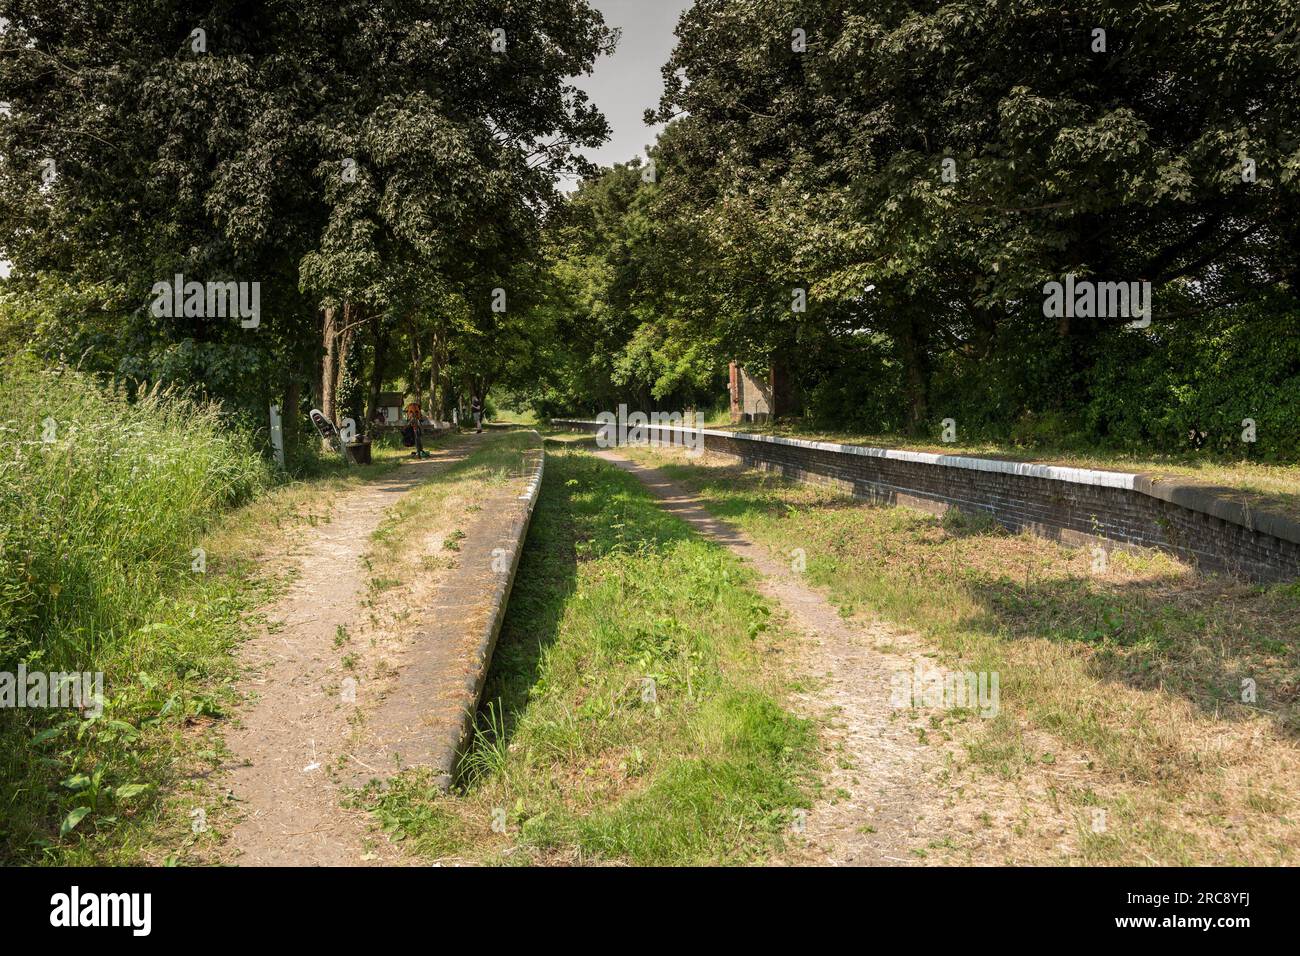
[873, 756]
[289, 749]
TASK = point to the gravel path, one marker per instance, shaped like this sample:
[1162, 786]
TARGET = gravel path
[290, 760]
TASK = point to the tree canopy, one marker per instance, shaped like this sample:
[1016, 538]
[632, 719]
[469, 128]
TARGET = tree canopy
[358, 160]
[867, 199]
[873, 196]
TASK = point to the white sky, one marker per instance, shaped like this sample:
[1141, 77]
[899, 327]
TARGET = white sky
[624, 85]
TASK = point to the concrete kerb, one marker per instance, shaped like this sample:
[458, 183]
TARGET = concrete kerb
[427, 719]
[513, 545]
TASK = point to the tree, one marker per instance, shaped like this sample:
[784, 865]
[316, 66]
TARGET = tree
[956, 156]
[345, 156]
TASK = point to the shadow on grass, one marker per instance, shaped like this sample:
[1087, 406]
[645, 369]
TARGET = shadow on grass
[544, 581]
[1210, 640]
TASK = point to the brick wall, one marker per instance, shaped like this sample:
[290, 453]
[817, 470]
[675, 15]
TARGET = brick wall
[1072, 505]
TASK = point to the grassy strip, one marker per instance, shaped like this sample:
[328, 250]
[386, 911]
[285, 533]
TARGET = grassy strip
[1139, 665]
[438, 506]
[576, 759]
[164, 713]
[508, 416]
[416, 547]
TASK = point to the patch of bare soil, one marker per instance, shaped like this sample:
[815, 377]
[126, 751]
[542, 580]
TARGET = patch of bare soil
[290, 748]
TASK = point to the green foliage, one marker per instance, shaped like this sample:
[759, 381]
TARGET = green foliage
[118, 492]
[825, 170]
[379, 157]
[1194, 388]
[97, 527]
[610, 336]
[612, 590]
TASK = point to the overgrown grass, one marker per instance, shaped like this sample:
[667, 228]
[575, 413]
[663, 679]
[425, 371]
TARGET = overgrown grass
[576, 756]
[1137, 668]
[99, 573]
[509, 416]
[101, 504]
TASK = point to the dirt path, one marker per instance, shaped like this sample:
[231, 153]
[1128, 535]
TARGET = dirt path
[288, 749]
[876, 806]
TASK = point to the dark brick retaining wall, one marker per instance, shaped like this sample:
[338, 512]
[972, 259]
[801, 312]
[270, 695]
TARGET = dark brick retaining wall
[1072, 505]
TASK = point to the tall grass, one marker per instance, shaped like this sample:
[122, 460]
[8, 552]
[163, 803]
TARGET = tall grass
[102, 502]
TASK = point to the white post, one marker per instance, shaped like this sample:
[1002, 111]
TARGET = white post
[277, 435]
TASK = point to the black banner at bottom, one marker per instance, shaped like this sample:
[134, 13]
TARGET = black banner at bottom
[336, 905]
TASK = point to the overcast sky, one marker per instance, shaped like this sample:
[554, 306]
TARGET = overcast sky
[624, 85]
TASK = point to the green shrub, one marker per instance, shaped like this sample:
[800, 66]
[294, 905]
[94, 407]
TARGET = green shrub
[1190, 386]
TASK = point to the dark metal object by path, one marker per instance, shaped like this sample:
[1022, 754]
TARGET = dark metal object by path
[360, 451]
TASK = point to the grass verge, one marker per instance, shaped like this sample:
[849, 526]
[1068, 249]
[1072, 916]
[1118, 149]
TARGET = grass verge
[1175, 696]
[629, 715]
[132, 543]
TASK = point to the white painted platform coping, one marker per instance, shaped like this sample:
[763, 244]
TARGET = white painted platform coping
[1078, 476]
[535, 483]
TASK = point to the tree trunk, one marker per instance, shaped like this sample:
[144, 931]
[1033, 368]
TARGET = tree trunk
[916, 362]
[435, 371]
[377, 370]
[330, 363]
[345, 391]
[289, 414]
[416, 364]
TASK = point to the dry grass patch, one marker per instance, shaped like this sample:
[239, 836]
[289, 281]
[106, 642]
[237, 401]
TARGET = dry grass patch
[1121, 689]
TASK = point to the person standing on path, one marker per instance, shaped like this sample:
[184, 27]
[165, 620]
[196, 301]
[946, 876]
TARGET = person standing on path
[476, 407]
[413, 423]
